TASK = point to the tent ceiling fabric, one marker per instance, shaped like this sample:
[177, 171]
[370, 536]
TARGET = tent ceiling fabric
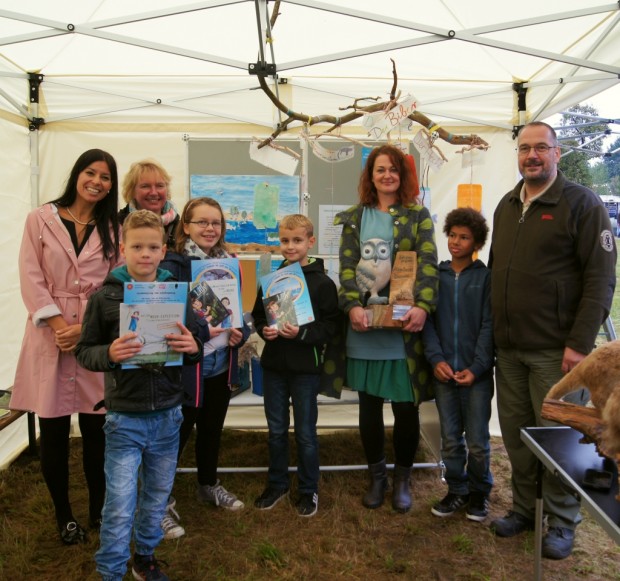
[109, 62]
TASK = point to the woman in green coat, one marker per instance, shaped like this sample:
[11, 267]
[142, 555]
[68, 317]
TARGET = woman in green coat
[387, 364]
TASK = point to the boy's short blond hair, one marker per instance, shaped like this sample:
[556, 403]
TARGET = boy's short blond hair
[293, 221]
[143, 219]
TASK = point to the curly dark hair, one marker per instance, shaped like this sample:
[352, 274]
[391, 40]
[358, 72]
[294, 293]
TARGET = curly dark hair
[406, 192]
[471, 219]
[106, 209]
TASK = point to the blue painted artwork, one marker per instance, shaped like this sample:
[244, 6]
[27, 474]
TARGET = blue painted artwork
[252, 205]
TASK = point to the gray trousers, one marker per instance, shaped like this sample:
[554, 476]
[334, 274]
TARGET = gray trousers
[523, 379]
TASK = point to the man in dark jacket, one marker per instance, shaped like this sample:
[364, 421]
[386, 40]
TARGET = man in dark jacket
[553, 260]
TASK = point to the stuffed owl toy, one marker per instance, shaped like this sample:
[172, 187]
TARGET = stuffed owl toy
[373, 270]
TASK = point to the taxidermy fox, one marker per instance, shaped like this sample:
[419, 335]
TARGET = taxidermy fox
[600, 373]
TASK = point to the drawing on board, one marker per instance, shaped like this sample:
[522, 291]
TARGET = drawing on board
[252, 204]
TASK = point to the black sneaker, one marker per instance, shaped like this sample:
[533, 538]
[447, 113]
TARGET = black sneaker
[558, 543]
[512, 524]
[450, 504]
[307, 504]
[478, 507]
[71, 533]
[270, 497]
[146, 568]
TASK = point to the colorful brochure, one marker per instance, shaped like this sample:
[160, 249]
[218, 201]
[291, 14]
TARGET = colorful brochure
[280, 309]
[288, 282]
[152, 310]
[206, 305]
[223, 275]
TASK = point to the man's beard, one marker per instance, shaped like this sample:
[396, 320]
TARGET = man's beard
[539, 179]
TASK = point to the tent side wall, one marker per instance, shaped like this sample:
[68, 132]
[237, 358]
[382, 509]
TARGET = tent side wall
[15, 195]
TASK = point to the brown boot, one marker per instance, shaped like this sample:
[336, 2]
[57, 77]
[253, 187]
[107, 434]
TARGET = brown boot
[401, 489]
[378, 484]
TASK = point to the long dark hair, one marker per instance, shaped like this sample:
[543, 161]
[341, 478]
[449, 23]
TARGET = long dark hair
[407, 193]
[106, 209]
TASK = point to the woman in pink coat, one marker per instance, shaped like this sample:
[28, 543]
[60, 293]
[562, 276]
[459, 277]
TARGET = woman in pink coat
[68, 248]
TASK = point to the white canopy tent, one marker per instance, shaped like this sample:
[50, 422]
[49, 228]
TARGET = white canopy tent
[138, 78]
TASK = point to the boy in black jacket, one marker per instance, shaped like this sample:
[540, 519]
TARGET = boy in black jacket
[292, 362]
[143, 408]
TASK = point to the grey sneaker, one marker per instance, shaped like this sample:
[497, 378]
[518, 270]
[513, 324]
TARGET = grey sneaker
[218, 496]
[169, 524]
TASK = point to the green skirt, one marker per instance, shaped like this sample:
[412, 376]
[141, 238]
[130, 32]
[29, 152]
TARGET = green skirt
[388, 379]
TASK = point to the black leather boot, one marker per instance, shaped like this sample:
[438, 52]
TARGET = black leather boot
[401, 489]
[378, 484]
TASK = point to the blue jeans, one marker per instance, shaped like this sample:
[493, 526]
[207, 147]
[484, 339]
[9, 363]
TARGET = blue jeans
[144, 448]
[467, 457]
[302, 391]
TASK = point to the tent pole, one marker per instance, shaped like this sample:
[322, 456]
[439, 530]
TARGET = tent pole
[34, 168]
[34, 80]
[303, 183]
[521, 92]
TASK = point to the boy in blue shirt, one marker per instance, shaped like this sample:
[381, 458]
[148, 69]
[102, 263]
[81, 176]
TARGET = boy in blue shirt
[143, 408]
[292, 361]
[458, 343]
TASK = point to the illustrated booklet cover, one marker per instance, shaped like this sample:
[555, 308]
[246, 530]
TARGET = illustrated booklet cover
[223, 276]
[206, 305]
[152, 310]
[286, 297]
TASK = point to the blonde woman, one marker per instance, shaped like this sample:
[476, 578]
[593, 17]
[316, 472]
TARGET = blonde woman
[147, 187]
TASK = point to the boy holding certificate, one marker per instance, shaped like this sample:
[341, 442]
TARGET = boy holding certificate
[143, 407]
[292, 362]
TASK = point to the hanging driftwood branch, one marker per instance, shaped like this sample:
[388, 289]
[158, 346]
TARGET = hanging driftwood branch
[357, 112]
[473, 147]
[275, 13]
[339, 136]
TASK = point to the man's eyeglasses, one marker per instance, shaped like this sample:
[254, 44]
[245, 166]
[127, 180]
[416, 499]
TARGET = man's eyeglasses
[540, 148]
[203, 224]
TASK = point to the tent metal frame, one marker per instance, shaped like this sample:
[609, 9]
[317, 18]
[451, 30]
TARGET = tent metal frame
[474, 35]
